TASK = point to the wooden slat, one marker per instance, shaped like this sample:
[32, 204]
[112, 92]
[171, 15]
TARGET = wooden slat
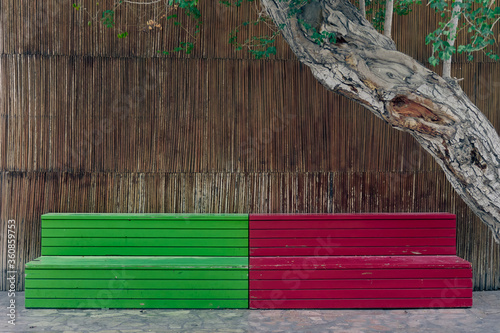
[299, 273]
[352, 251]
[137, 293]
[357, 216]
[146, 233]
[144, 224]
[145, 251]
[135, 304]
[135, 284]
[298, 223]
[321, 240]
[122, 262]
[178, 217]
[143, 242]
[147, 274]
[360, 293]
[361, 262]
[361, 303]
[362, 233]
[410, 283]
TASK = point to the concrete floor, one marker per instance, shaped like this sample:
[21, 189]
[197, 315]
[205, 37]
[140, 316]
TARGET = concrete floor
[483, 317]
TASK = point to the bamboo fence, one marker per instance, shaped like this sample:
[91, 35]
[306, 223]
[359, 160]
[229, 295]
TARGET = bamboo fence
[93, 123]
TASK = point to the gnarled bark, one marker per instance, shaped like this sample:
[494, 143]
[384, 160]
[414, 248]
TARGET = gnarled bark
[364, 66]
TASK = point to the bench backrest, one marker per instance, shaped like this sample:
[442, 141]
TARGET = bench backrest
[352, 234]
[145, 235]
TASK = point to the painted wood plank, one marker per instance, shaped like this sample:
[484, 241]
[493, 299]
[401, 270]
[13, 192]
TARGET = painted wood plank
[360, 293]
[135, 304]
[135, 284]
[361, 233]
[411, 283]
[145, 251]
[322, 240]
[130, 262]
[139, 216]
[147, 274]
[361, 303]
[353, 262]
[148, 242]
[344, 273]
[144, 224]
[352, 251]
[287, 224]
[137, 293]
[351, 216]
[146, 233]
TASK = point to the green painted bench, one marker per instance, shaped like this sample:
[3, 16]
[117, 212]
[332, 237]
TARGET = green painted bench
[140, 261]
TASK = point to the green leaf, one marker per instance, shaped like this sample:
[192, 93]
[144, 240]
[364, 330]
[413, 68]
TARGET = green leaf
[108, 18]
[270, 50]
[433, 61]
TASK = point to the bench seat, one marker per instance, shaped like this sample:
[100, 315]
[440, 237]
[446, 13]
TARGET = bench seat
[356, 261]
[137, 282]
[140, 261]
[360, 282]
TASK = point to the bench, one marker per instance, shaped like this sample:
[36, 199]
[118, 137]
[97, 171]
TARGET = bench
[140, 261]
[241, 261]
[356, 261]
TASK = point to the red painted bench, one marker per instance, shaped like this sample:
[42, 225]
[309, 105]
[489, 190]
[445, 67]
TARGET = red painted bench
[356, 261]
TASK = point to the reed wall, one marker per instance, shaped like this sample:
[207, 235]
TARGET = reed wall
[93, 123]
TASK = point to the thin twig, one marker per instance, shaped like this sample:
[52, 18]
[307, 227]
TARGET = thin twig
[142, 3]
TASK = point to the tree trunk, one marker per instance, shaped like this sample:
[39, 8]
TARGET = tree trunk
[362, 7]
[389, 9]
[364, 66]
[452, 36]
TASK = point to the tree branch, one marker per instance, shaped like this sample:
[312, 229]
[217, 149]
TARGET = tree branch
[452, 36]
[362, 7]
[389, 10]
[364, 66]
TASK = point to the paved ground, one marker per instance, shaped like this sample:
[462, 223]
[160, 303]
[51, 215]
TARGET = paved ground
[483, 317]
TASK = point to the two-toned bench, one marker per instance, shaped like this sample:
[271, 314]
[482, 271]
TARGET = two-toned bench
[140, 261]
[202, 261]
[356, 261]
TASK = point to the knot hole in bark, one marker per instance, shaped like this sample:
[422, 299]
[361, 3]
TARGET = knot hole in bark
[476, 158]
[407, 108]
